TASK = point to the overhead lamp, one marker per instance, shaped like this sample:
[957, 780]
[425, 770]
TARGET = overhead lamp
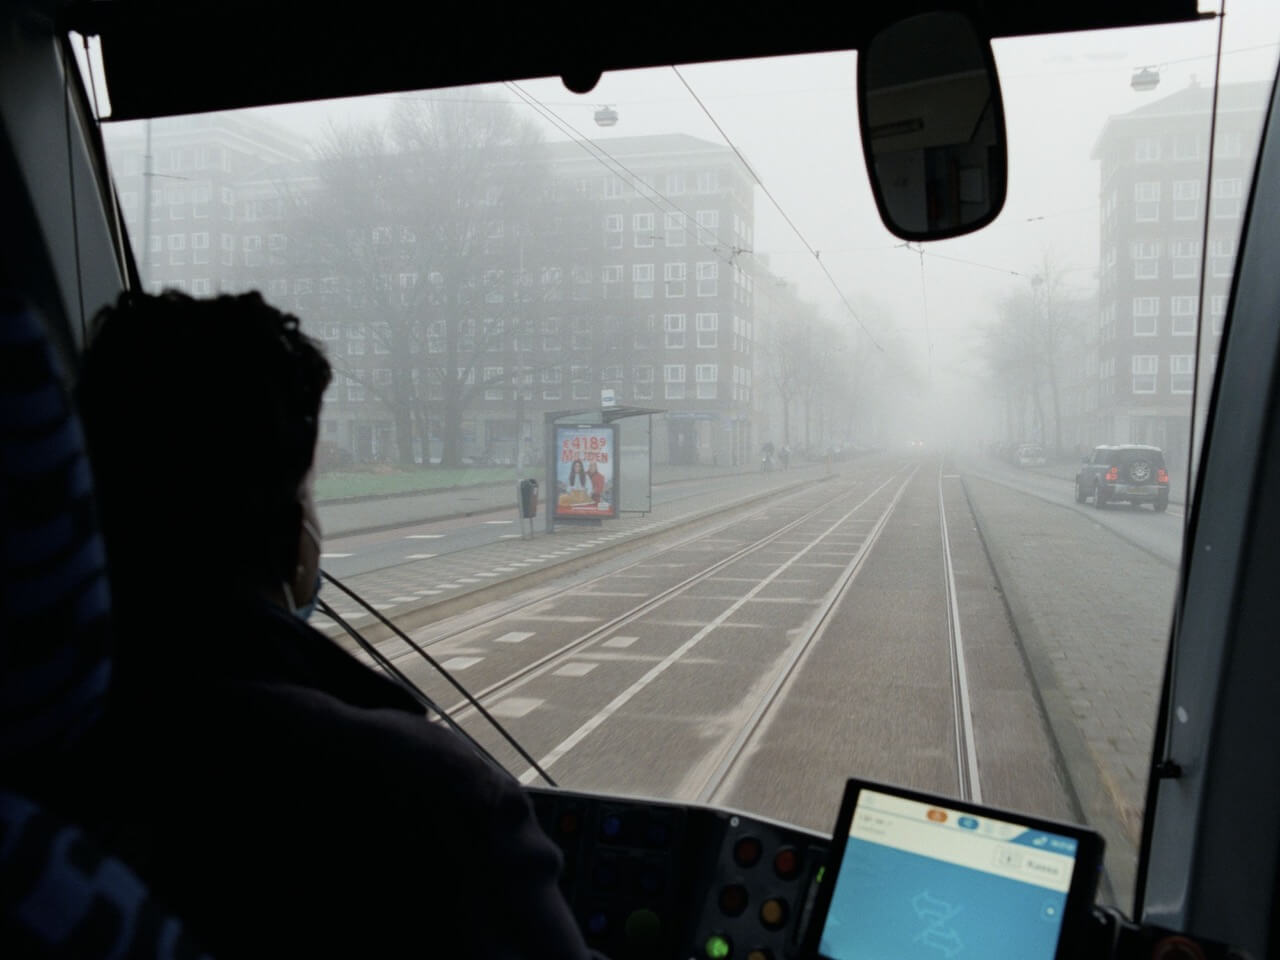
[1145, 79]
[606, 116]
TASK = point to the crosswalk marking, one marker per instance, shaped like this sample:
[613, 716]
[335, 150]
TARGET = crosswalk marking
[619, 643]
[424, 536]
[514, 707]
[420, 556]
[461, 663]
[514, 636]
[335, 556]
[574, 670]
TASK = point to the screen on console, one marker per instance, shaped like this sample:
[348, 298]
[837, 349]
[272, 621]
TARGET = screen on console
[920, 881]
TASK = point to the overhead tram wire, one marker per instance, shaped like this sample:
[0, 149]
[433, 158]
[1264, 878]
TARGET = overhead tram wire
[785, 216]
[598, 153]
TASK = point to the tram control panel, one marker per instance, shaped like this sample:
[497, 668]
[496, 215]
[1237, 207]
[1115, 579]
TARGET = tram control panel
[653, 879]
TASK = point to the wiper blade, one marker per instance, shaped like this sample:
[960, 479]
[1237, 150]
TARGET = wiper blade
[397, 675]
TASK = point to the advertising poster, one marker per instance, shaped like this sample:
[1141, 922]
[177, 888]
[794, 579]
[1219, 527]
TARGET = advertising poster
[586, 464]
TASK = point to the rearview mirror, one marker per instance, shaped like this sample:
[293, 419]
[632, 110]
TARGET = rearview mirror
[932, 126]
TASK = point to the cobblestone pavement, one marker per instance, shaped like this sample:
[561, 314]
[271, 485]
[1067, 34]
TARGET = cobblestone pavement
[1093, 614]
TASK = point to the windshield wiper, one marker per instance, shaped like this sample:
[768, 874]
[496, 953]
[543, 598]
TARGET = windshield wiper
[413, 689]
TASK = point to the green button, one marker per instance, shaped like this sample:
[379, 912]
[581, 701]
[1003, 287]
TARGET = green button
[717, 947]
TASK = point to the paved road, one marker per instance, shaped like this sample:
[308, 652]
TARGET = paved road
[645, 675]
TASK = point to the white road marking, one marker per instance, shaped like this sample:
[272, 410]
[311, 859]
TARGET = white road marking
[447, 586]
[509, 536]
[494, 523]
[619, 643]
[513, 707]
[515, 636]
[424, 536]
[468, 580]
[403, 599]
[487, 576]
[553, 618]
[574, 670]
[335, 556]
[610, 593]
[428, 593]
[461, 663]
[420, 556]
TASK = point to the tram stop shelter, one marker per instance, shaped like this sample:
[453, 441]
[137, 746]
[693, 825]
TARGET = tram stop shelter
[599, 464]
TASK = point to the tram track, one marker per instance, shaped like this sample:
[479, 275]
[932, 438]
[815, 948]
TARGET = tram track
[462, 710]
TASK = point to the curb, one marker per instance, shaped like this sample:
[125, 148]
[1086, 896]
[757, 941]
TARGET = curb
[463, 514]
[1073, 755]
[412, 617]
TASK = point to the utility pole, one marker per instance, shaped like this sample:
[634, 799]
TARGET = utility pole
[145, 272]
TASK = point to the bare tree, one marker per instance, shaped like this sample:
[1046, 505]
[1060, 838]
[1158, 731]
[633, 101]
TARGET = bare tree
[421, 232]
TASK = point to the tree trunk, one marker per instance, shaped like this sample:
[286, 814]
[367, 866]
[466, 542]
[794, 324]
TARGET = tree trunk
[1057, 410]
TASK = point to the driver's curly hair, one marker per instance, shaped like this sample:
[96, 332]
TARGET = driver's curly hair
[201, 419]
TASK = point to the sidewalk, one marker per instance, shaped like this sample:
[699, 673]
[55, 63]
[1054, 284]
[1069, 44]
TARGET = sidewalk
[369, 514]
[419, 591]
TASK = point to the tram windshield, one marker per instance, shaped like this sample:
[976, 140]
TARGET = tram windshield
[910, 512]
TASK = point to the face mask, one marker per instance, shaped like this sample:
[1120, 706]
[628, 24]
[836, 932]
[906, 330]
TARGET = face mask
[304, 612]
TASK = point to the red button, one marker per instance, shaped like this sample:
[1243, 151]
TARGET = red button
[786, 863]
[747, 852]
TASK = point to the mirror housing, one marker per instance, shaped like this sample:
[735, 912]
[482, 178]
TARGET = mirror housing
[932, 124]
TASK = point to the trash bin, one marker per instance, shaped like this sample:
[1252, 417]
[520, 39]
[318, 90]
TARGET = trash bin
[528, 499]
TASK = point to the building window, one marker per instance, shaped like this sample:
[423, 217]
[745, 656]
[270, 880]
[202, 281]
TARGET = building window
[1228, 145]
[642, 229]
[673, 324]
[709, 219]
[1146, 149]
[1145, 368]
[675, 184]
[493, 380]
[642, 374]
[1186, 259]
[614, 187]
[1183, 310]
[1146, 201]
[611, 279]
[355, 348]
[708, 181]
[1222, 256]
[1146, 311]
[708, 329]
[1181, 373]
[1218, 311]
[673, 378]
[355, 392]
[706, 375]
[642, 280]
[200, 286]
[1226, 198]
[673, 276]
[673, 224]
[1186, 199]
[1146, 260]
[708, 276]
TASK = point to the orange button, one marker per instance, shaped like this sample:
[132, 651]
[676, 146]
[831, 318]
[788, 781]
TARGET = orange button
[773, 913]
[937, 816]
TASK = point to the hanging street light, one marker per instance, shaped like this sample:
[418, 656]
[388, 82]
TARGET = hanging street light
[1145, 79]
[606, 116]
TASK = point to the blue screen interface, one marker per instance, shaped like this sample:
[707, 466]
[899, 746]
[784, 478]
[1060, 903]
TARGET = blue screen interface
[922, 882]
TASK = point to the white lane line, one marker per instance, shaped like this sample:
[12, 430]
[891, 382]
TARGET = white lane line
[381, 606]
[621, 700]
[509, 536]
[428, 593]
[420, 556]
[514, 636]
[461, 663]
[619, 643]
[447, 586]
[574, 670]
[424, 536]
[610, 593]
[553, 618]
[494, 523]
[468, 580]
[515, 707]
[487, 576]
[335, 556]
[403, 599]
[505, 569]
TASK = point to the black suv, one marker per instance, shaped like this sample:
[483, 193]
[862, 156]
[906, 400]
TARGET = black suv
[1130, 472]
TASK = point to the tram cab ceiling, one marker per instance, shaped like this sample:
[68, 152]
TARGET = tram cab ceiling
[165, 58]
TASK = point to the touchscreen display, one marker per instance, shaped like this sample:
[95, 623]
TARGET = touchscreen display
[919, 881]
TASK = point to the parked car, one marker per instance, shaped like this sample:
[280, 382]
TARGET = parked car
[1133, 473]
[1030, 455]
